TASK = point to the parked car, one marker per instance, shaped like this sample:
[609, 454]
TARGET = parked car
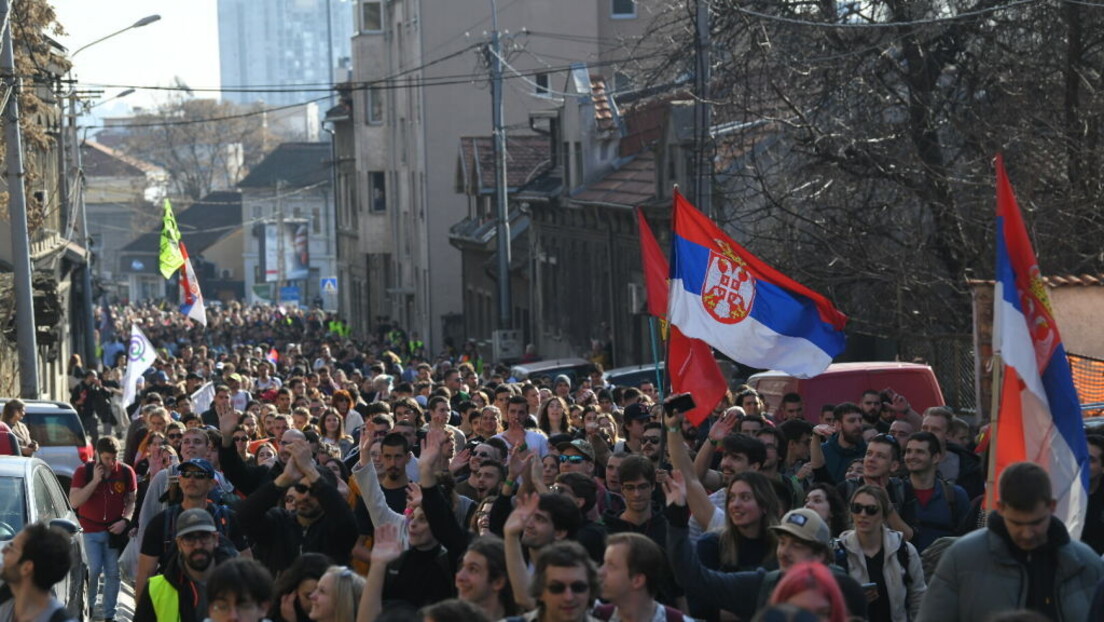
[574, 368]
[62, 441]
[634, 375]
[845, 382]
[30, 492]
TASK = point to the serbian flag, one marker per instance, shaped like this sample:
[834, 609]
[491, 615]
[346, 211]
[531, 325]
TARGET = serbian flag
[690, 362]
[730, 299]
[191, 298]
[273, 356]
[1039, 419]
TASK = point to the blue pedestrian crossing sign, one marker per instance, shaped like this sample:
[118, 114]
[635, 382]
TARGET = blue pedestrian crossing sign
[329, 285]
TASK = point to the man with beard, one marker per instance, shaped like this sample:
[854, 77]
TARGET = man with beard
[36, 559]
[197, 478]
[832, 449]
[180, 593]
[321, 521]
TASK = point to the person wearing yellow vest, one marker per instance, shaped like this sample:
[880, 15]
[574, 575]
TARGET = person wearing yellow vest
[180, 594]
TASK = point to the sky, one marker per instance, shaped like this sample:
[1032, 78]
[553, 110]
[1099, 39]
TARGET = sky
[184, 43]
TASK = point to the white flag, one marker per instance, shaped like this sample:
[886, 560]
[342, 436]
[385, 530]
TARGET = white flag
[140, 357]
[203, 397]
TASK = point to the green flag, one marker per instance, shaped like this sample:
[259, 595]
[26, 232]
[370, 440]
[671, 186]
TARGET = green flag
[171, 258]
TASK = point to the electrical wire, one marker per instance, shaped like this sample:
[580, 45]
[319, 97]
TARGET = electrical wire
[916, 22]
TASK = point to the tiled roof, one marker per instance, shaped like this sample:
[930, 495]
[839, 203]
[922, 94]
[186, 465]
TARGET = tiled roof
[527, 156]
[219, 214]
[102, 161]
[1062, 280]
[603, 105]
[298, 165]
[631, 185]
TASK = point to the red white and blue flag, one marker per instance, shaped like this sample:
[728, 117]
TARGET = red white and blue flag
[725, 296]
[690, 362]
[1040, 416]
[191, 298]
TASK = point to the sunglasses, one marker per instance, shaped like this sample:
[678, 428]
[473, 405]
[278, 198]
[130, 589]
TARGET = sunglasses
[578, 587]
[572, 459]
[649, 440]
[176, 436]
[481, 454]
[301, 488]
[241, 439]
[869, 510]
[194, 475]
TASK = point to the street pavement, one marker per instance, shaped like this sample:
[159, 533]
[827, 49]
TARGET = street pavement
[124, 609]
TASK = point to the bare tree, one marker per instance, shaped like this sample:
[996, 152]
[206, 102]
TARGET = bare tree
[204, 144]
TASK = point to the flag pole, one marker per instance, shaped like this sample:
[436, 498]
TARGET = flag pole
[996, 388]
[655, 358]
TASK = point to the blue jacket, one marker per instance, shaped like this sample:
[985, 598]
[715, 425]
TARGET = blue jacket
[939, 517]
[837, 458]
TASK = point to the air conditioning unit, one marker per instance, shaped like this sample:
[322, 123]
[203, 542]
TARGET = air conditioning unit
[506, 345]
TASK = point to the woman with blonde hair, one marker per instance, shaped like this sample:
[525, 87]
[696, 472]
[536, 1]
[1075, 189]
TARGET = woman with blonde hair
[337, 595]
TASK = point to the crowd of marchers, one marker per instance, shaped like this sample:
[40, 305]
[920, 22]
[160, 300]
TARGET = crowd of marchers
[339, 481]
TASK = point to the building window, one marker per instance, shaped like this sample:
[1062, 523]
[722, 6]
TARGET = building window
[377, 192]
[622, 9]
[371, 16]
[373, 106]
[542, 83]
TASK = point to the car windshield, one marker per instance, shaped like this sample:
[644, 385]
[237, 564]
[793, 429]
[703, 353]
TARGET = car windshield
[13, 511]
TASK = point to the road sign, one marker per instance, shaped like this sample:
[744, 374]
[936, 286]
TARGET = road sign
[289, 293]
[329, 285]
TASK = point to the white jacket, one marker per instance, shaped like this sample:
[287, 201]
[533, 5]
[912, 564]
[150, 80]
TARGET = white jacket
[904, 600]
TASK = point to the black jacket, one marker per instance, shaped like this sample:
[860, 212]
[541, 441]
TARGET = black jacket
[246, 478]
[279, 539]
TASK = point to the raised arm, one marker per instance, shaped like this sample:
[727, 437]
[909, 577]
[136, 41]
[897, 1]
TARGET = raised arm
[696, 496]
[370, 491]
[385, 549]
[515, 559]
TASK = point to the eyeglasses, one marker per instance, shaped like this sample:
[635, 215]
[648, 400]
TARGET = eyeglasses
[649, 440]
[241, 439]
[221, 606]
[572, 459]
[578, 587]
[869, 510]
[194, 475]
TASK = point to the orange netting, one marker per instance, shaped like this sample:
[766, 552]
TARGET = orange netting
[1088, 377]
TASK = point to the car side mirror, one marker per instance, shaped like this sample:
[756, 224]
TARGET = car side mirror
[67, 525]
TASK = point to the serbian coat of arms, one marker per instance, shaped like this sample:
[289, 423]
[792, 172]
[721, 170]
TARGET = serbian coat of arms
[729, 288]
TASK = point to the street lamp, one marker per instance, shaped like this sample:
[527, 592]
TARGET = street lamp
[120, 95]
[87, 323]
[145, 21]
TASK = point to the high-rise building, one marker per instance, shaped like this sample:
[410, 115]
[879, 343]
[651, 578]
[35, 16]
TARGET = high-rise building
[278, 44]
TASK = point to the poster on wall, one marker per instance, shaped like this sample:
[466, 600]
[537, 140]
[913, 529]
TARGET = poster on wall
[291, 239]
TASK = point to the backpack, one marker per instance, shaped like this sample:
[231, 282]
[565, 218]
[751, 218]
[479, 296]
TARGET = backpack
[931, 555]
[605, 612]
[903, 557]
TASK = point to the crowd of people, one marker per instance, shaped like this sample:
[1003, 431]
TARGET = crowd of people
[341, 481]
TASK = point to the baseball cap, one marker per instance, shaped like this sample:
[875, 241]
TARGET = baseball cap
[584, 447]
[235, 377]
[161, 376]
[200, 463]
[636, 411]
[195, 520]
[805, 524]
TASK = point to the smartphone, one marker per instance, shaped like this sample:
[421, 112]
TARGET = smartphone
[869, 586]
[682, 404]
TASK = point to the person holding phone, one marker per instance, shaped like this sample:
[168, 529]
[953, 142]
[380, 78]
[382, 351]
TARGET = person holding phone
[104, 493]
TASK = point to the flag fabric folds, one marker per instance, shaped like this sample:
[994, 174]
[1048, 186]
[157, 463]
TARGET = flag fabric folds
[1039, 419]
[273, 356]
[690, 362]
[191, 298]
[722, 294]
[170, 258]
[140, 357]
[203, 397]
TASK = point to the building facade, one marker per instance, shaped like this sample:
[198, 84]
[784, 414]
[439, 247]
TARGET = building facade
[421, 74]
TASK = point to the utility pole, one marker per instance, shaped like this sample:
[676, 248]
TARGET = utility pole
[279, 238]
[17, 211]
[502, 228]
[704, 114]
[77, 191]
